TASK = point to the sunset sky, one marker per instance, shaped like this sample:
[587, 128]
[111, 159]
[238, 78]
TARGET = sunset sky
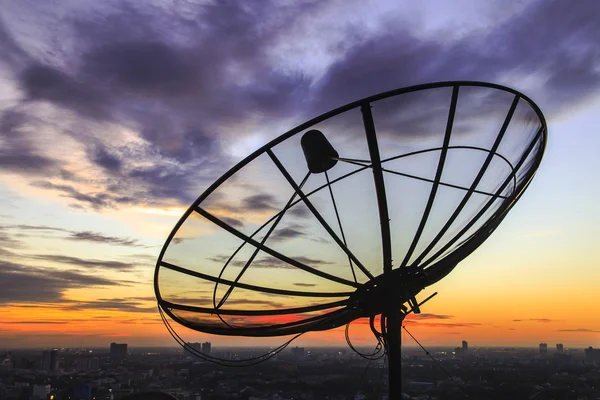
[116, 116]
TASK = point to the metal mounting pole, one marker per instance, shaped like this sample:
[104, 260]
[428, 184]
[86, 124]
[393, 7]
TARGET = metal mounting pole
[394, 341]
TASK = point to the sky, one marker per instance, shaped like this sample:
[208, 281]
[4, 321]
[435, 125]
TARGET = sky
[115, 116]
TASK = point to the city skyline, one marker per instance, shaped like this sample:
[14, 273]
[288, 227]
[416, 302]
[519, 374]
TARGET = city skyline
[99, 160]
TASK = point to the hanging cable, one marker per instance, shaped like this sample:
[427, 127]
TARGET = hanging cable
[362, 376]
[377, 353]
[381, 376]
[220, 361]
[436, 362]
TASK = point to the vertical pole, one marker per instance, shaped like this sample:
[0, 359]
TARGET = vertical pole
[394, 340]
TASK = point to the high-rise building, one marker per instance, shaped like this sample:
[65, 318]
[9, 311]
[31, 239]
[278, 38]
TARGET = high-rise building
[298, 352]
[118, 351]
[50, 360]
[465, 346]
[592, 354]
[543, 348]
[559, 348]
[206, 348]
[192, 348]
[6, 362]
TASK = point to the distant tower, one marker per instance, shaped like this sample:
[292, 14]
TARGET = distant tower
[543, 348]
[50, 360]
[465, 346]
[298, 352]
[192, 349]
[560, 348]
[118, 351]
[206, 348]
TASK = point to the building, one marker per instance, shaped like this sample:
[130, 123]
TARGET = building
[206, 348]
[191, 349]
[6, 362]
[87, 364]
[118, 351]
[50, 360]
[592, 354]
[298, 352]
[82, 392]
[41, 392]
[543, 348]
[465, 346]
[559, 348]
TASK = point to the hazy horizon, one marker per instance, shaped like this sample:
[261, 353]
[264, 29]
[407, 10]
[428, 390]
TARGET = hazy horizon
[115, 117]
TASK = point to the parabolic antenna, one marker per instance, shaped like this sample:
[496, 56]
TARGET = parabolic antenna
[352, 214]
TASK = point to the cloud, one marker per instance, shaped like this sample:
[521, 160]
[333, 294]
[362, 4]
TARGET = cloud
[259, 202]
[299, 211]
[95, 200]
[39, 285]
[95, 237]
[270, 262]
[563, 58]
[444, 325]
[115, 304]
[107, 160]
[423, 316]
[292, 231]
[236, 223]
[80, 236]
[582, 330]
[541, 320]
[153, 96]
[230, 303]
[86, 263]
[304, 284]
[35, 322]
[128, 68]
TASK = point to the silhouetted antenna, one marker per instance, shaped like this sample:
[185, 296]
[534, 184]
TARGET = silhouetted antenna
[300, 236]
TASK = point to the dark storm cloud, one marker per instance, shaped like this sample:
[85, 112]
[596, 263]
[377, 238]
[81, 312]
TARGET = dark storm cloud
[86, 263]
[23, 284]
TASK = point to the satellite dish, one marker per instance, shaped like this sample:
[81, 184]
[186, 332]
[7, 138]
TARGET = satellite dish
[351, 215]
